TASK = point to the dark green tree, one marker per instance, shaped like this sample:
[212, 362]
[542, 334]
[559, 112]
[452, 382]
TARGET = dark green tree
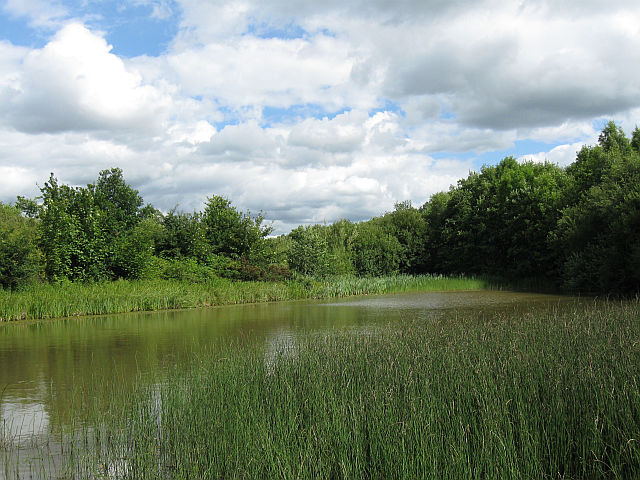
[183, 235]
[434, 212]
[232, 233]
[128, 247]
[600, 234]
[20, 259]
[92, 233]
[309, 251]
[376, 251]
[407, 224]
[28, 206]
[340, 238]
[121, 203]
[496, 222]
[71, 237]
[613, 137]
[635, 139]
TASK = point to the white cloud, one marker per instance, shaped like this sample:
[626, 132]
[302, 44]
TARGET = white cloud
[344, 133]
[275, 72]
[16, 180]
[242, 142]
[561, 155]
[75, 83]
[10, 66]
[567, 131]
[47, 14]
[237, 107]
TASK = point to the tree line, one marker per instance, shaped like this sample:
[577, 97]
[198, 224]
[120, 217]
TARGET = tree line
[575, 228]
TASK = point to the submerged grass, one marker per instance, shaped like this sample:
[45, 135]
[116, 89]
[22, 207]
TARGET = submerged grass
[69, 299]
[549, 394]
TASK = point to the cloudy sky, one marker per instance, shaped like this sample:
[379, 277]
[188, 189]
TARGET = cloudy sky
[308, 110]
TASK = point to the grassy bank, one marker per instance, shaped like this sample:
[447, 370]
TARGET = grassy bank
[69, 299]
[542, 395]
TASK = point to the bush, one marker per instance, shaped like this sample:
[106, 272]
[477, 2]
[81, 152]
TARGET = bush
[20, 260]
[183, 269]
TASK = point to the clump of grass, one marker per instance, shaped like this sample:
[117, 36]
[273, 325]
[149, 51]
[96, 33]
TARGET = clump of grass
[348, 285]
[550, 394]
[72, 299]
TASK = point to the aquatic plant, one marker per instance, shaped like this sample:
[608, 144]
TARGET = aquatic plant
[547, 394]
[66, 299]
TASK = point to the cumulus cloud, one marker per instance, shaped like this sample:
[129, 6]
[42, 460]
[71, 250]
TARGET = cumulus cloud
[75, 83]
[344, 133]
[313, 111]
[16, 179]
[276, 72]
[505, 69]
[561, 155]
[242, 142]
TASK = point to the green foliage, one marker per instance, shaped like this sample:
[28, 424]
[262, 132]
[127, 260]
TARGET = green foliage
[340, 238]
[376, 251]
[408, 226]
[635, 139]
[525, 221]
[28, 206]
[120, 203]
[93, 233]
[601, 233]
[184, 269]
[592, 165]
[182, 235]
[71, 237]
[276, 249]
[20, 260]
[133, 250]
[497, 222]
[613, 138]
[309, 251]
[434, 213]
[232, 233]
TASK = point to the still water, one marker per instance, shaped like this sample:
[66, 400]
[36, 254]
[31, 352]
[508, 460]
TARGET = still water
[49, 369]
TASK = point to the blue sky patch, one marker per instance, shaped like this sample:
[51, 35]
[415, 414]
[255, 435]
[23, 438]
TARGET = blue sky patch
[447, 115]
[521, 148]
[18, 32]
[132, 28]
[388, 106]
[285, 32]
[295, 113]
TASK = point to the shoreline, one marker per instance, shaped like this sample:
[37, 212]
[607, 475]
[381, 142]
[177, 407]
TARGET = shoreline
[50, 301]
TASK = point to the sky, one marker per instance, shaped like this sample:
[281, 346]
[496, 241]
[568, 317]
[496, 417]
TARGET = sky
[307, 111]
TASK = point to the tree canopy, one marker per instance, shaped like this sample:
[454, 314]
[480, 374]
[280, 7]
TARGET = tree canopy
[577, 228]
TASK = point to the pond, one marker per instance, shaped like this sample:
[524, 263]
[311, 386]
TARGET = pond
[52, 368]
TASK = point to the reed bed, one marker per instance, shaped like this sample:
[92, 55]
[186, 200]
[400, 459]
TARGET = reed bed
[548, 394]
[74, 299]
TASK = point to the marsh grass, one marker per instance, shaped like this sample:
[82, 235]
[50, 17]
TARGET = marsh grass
[40, 301]
[549, 394]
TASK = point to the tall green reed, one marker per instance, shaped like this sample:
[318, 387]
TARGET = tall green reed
[550, 394]
[70, 299]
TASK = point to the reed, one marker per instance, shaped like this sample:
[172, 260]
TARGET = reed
[549, 394]
[45, 300]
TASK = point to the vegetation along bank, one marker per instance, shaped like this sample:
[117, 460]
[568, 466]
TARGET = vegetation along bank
[575, 228]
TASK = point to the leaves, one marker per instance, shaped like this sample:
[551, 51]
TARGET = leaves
[20, 261]
[230, 232]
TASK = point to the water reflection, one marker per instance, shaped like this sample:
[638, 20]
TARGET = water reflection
[20, 420]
